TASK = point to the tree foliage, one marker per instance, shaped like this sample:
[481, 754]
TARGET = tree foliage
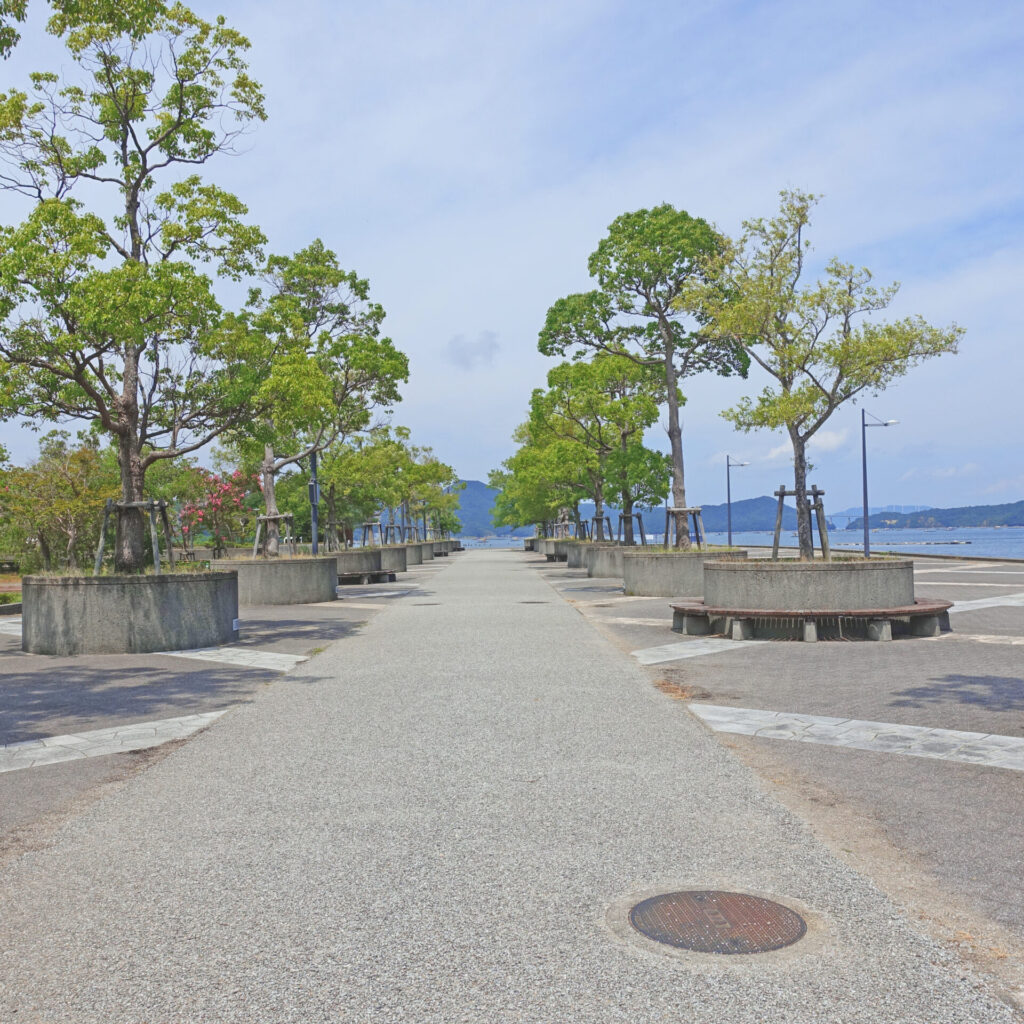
[815, 341]
[110, 319]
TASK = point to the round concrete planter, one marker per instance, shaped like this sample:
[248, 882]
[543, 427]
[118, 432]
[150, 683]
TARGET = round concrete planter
[394, 558]
[413, 555]
[440, 548]
[809, 586]
[669, 573]
[427, 550]
[128, 614]
[560, 549]
[604, 560]
[283, 580]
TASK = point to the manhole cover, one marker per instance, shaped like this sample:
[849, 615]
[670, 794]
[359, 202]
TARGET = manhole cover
[717, 922]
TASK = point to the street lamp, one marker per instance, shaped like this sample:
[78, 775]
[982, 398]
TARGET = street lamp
[864, 465]
[729, 464]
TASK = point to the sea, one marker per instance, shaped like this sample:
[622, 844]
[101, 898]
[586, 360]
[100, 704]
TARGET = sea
[971, 542]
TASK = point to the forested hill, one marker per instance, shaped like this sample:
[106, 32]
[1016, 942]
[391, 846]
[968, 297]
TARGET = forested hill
[968, 515]
[477, 501]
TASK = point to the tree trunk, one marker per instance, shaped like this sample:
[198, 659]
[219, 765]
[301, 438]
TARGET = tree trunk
[803, 507]
[270, 502]
[627, 494]
[599, 513]
[44, 551]
[675, 437]
[130, 533]
[72, 557]
[331, 533]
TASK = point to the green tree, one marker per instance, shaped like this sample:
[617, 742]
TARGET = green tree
[56, 502]
[814, 340]
[331, 368]
[109, 320]
[646, 267]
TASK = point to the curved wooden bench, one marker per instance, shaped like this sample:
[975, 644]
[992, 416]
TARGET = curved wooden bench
[926, 618]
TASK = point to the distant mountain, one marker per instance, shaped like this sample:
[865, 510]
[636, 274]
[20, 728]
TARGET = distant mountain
[968, 515]
[857, 511]
[748, 514]
[476, 502]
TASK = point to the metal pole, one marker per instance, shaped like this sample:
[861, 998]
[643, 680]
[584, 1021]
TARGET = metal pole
[864, 472]
[728, 501]
[314, 501]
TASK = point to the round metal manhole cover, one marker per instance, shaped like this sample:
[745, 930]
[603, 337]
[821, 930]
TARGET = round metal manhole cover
[717, 922]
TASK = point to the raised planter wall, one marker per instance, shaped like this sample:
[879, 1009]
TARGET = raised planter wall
[577, 552]
[604, 560]
[128, 614]
[427, 550]
[669, 573]
[809, 586]
[413, 555]
[358, 560]
[394, 558]
[282, 580]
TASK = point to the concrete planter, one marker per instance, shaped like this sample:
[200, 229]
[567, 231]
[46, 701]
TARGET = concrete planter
[528, 543]
[669, 573]
[283, 580]
[440, 548]
[604, 560]
[128, 614]
[413, 555]
[809, 586]
[540, 545]
[577, 555]
[358, 560]
[560, 549]
[427, 550]
[394, 559]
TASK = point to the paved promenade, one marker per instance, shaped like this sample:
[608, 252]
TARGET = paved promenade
[440, 818]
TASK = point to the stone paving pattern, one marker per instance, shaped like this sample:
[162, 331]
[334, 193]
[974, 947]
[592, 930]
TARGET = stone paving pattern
[100, 742]
[913, 740]
[399, 832]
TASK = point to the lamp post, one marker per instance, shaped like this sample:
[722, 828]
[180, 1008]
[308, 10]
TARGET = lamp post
[864, 414]
[729, 464]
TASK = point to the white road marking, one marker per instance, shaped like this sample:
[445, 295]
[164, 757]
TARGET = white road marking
[690, 649]
[1005, 601]
[961, 583]
[246, 657]
[667, 621]
[917, 741]
[984, 638]
[10, 626]
[97, 742]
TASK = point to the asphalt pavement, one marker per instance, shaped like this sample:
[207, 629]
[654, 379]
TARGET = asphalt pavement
[441, 817]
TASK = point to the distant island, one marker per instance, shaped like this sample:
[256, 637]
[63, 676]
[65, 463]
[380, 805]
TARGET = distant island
[937, 518]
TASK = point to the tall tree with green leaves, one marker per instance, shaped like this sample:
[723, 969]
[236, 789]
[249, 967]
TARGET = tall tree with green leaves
[814, 340]
[645, 268]
[109, 318]
[331, 369]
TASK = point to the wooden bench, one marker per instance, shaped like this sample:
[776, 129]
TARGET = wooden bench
[922, 618]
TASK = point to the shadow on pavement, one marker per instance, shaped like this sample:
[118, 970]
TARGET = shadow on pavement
[996, 693]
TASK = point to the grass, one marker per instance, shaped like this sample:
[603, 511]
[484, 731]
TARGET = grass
[10, 598]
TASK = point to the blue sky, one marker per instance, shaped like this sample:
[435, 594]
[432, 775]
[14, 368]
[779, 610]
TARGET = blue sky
[467, 157]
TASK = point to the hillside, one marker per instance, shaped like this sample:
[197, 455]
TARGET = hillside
[968, 515]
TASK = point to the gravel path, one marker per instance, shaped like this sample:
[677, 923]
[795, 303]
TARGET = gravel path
[430, 822]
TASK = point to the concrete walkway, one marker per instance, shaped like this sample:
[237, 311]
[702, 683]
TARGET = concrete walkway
[436, 820]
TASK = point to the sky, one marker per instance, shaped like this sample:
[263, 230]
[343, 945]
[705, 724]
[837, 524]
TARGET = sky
[467, 157]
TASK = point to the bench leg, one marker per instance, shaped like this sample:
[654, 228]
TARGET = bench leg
[925, 625]
[810, 631]
[879, 629]
[742, 629]
[690, 625]
[944, 625]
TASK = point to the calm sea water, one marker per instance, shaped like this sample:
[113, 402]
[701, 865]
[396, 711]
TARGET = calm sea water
[983, 542]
